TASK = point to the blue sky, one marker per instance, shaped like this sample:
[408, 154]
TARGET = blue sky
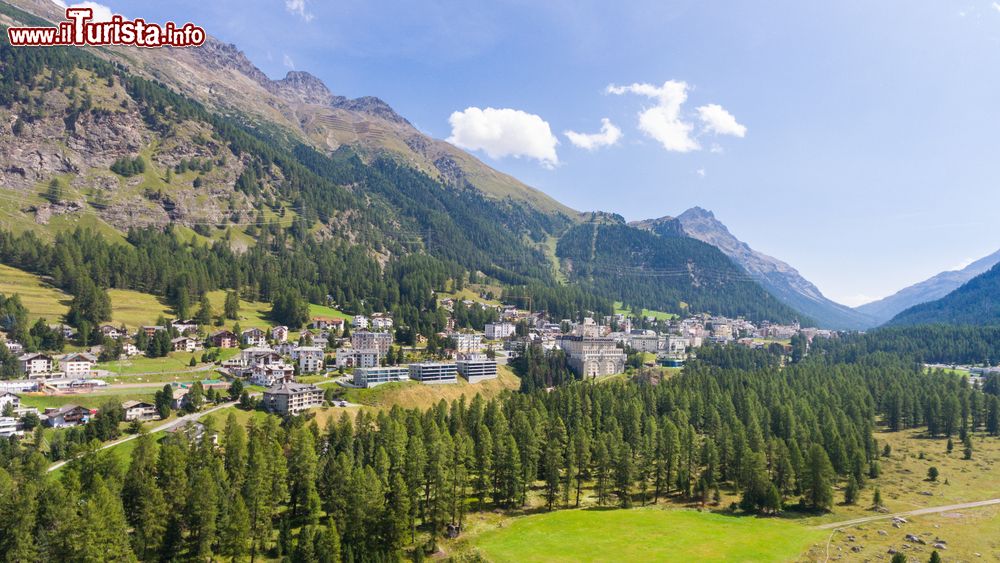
[869, 158]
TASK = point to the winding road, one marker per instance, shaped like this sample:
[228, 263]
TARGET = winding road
[165, 426]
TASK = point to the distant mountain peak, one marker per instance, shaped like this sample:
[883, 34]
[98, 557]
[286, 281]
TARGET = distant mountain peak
[780, 279]
[300, 86]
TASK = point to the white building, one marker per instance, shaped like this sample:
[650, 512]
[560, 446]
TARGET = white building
[185, 344]
[292, 398]
[254, 337]
[309, 358]
[467, 342]
[434, 372]
[381, 322]
[593, 357]
[359, 321]
[370, 377]
[35, 365]
[8, 426]
[279, 333]
[646, 341]
[140, 410]
[355, 358]
[499, 331]
[78, 364]
[11, 399]
[477, 368]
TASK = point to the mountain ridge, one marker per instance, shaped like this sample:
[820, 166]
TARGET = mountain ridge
[931, 289]
[977, 302]
[779, 278]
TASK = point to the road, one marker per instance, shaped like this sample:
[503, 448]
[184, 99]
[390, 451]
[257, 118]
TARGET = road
[165, 426]
[917, 512]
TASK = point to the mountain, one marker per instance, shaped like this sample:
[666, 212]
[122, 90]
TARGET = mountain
[667, 272]
[977, 302]
[928, 290]
[301, 107]
[778, 278]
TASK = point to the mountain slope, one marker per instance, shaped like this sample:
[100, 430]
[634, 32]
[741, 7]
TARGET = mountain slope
[301, 107]
[975, 303]
[777, 277]
[670, 273]
[928, 290]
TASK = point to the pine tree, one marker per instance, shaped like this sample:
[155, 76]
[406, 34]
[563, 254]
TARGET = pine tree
[817, 481]
[103, 529]
[328, 544]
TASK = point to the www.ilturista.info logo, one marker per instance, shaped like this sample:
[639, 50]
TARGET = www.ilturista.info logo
[80, 30]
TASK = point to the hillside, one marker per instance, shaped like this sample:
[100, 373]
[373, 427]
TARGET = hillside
[300, 107]
[778, 278]
[928, 290]
[674, 274]
[975, 303]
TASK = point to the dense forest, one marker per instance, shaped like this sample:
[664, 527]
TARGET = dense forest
[674, 274]
[944, 344]
[375, 486]
[977, 302]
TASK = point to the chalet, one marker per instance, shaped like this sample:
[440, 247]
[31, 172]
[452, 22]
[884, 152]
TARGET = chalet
[292, 398]
[78, 364]
[185, 344]
[179, 399]
[267, 375]
[184, 327]
[35, 365]
[13, 346]
[152, 330]
[67, 415]
[381, 321]
[309, 358]
[129, 350]
[140, 410]
[359, 321]
[324, 323]
[254, 337]
[224, 339]
[112, 331]
[279, 333]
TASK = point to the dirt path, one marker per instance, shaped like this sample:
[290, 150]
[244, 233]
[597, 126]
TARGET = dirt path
[916, 512]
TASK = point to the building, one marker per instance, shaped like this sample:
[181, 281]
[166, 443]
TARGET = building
[326, 323]
[593, 357]
[224, 339]
[645, 341]
[270, 374]
[184, 327]
[9, 399]
[359, 321]
[434, 372]
[111, 331]
[292, 398]
[499, 331]
[14, 347]
[185, 344]
[68, 415]
[152, 330]
[35, 365]
[467, 342]
[676, 345]
[279, 333]
[366, 340]
[477, 368]
[381, 322]
[309, 358]
[78, 364]
[129, 349]
[18, 385]
[8, 426]
[254, 337]
[370, 377]
[354, 358]
[140, 410]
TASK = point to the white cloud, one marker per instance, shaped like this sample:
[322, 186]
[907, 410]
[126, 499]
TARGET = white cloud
[101, 13]
[719, 121]
[288, 62]
[504, 132]
[298, 7]
[609, 135]
[700, 172]
[996, 6]
[663, 121]
[716, 149]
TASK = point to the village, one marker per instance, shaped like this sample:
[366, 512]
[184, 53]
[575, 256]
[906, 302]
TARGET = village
[284, 368]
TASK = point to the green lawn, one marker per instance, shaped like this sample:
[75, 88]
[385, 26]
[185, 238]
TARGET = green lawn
[41, 299]
[92, 400]
[324, 311]
[648, 534]
[658, 315]
[172, 363]
[135, 309]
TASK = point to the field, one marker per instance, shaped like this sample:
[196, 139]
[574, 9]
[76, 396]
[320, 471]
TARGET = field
[91, 400]
[645, 534]
[41, 299]
[658, 315]
[135, 309]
